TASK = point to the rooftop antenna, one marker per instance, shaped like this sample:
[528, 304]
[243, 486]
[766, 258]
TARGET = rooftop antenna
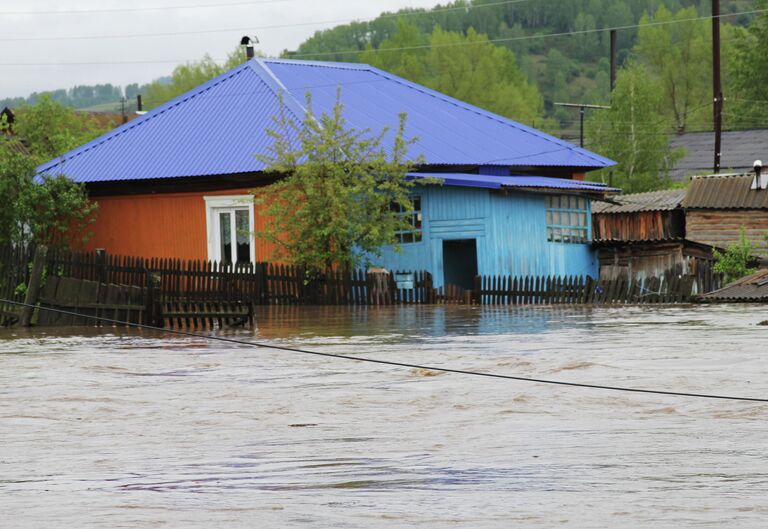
[248, 42]
[582, 109]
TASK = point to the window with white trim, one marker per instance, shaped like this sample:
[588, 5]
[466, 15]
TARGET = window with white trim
[229, 221]
[567, 219]
[413, 219]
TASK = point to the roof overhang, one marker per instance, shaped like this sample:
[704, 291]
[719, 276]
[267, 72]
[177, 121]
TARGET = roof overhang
[543, 184]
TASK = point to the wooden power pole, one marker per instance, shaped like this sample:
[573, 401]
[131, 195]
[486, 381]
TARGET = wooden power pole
[717, 87]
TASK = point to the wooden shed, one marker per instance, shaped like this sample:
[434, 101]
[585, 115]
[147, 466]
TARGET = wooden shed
[717, 207]
[644, 235]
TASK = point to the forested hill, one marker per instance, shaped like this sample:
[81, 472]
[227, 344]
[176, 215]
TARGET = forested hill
[567, 68]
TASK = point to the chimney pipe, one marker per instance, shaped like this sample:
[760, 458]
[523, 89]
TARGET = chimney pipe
[139, 106]
[248, 42]
[758, 182]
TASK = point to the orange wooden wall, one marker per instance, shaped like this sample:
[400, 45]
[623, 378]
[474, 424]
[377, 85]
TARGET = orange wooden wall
[160, 225]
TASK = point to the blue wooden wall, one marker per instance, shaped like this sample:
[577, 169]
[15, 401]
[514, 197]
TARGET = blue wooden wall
[510, 231]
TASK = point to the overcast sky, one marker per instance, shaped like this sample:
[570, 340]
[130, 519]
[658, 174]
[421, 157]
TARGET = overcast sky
[35, 48]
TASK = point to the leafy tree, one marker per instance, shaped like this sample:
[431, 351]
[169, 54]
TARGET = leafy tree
[679, 54]
[735, 261]
[634, 133]
[53, 210]
[188, 76]
[749, 72]
[51, 129]
[411, 65]
[457, 65]
[333, 203]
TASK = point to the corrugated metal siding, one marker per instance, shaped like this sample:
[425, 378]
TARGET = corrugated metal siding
[510, 231]
[751, 288]
[219, 127]
[721, 228]
[665, 200]
[716, 192]
[450, 131]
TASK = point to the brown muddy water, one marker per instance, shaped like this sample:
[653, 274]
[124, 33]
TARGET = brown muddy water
[122, 429]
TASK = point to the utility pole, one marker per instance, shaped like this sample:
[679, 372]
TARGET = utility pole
[582, 109]
[614, 60]
[717, 88]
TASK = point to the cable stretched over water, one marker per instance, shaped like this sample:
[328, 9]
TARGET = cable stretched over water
[393, 363]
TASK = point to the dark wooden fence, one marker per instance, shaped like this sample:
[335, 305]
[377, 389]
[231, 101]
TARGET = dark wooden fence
[495, 290]
[14, 278]
[204, 294]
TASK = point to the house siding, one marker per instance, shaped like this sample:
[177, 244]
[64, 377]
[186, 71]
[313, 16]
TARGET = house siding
[721, 228]
[165, 225]
[509, 229]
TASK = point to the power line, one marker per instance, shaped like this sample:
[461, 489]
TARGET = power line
[348, 52]
[539, 36]
[148, 8]
[393, 363]
[259, 28]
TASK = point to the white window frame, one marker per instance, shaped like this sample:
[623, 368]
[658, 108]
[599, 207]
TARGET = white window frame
[217, 204]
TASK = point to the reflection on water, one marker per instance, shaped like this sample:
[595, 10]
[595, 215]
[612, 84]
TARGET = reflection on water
[119, 428]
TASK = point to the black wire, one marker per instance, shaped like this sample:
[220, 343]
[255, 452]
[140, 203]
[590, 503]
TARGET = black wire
[392, 363]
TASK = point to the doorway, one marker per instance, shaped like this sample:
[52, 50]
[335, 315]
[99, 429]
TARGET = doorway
[460, 262]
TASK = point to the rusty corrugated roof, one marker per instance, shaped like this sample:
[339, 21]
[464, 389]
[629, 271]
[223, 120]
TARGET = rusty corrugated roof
[665, 200]
[750, 288]
[725, 192]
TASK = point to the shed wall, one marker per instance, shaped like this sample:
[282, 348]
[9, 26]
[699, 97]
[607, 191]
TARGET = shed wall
[721, 227]
[638, 226]
[510, 231]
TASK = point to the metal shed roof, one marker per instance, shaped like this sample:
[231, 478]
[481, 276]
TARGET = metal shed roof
[740, 148]
[220, 126]
[665, 200]
[498, 182]
[750, 288]
[725, 192]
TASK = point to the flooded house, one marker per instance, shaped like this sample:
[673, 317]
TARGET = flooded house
[177, 180]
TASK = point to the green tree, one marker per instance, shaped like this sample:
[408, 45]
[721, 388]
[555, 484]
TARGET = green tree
[678, 52]
[389, 56]
[52, 210]
[634, 133]
[748, 71]
[471, 69]
[333, 202]
[735, 262]
[185, 77]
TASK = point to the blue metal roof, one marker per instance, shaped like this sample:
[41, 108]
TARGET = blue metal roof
[497, 182]
[219, 127]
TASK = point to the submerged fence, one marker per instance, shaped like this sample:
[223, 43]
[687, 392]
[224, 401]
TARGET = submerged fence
[175, 290]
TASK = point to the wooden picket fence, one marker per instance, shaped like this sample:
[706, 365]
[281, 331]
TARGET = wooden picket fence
[508, 290]
[195, 294]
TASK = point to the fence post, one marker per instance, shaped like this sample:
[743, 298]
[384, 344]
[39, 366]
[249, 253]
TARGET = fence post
[152, 311]
[101, 265]
[33, 288]
[477, 291]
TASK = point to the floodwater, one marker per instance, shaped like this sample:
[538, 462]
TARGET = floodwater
[117, 428]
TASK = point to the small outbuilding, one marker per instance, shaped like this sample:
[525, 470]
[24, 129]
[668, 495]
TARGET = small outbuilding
[644, 235]
[718, 207]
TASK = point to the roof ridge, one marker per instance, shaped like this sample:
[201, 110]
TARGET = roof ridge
[155, 112]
